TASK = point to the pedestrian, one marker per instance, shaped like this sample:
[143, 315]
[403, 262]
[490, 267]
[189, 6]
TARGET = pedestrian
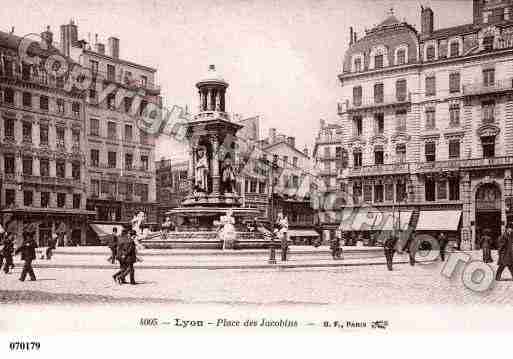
[389, 249]
[442, 244]
[412, 248]
[282, 226]
[7, 252]
[129, 258]
[121, 250]
[486, 245]
[28, 254]
[505, 253]
[336, 250]
[113, 245]
[52, 243]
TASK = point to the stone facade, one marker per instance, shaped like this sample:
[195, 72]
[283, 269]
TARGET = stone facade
[432, 127]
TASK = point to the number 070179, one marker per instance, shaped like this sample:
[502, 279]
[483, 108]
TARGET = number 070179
[24, 346]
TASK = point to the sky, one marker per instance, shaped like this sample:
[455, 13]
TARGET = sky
[280, 57]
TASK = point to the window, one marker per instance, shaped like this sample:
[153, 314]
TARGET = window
[10, 197]
[401, 57]
[357, 158]
[357, 192]
[261, 187]
[45, 199]
[75, 108]
[430, 151]
[76, 200]
[454, 82]
[454, 115]
[294, 161]
[488, 146]
[9, 128]
[430, 118]
[378, 93]
[367, 192]
[430, 86]
[378, 156]
[358, 64]
[75, 171]
[357, 125]
[143, 137]
[111, 72]
[25, 72]
[27, 99]
[295, 181]
[43, 103]
[95, 158]
[454, 189]
[489, 77]
[111, 159]
[44, 167]
[400, 117]
[111, 101]
[454, 49]
[92, 95]
[28, 198]
[379, 123]
[400, 191]
[60, 105]
[60, 131]
[496, 15]
[9, 164]
[389, 192]
[27, 132]
[129, 161]
[111, 130]
[429, 189]
[61, 200]
[378, 61]
[60, 167]
[400, 90]
[128, 132]
[488, 109]
[27, 166]
[144, 81]
[378, 193]
[430, 53]
[357, 96]
[286, 160]
[94, 66]
[94, 124]
[127, 102]
[400, 152]
[454, 148]
[95, 188]
[442, 189]
[9, 96]
[44, 77]
[43, 135]
[488, 43]
[144, 163]
[144, 192]
[75, 137]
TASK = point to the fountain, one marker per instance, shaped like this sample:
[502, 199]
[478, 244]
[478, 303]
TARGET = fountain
[212, 174]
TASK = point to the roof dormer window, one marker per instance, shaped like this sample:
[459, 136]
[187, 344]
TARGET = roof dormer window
[378, 61]
[430, 53]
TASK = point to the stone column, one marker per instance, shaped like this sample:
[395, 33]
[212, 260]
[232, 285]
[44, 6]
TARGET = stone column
[18, 198]
[466, 229]
[215, 164]
[209, 99]
[218, 100]
[200, 93]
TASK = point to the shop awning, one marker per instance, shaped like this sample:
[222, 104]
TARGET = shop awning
[302, 233]
[361, 219]
[438, 220]
[103, 230]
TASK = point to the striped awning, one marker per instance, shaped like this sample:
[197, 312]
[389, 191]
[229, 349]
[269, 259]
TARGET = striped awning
[361, 219]
[103, 230]
[447, 220]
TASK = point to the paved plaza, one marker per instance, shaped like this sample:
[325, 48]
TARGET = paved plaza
[348, 285]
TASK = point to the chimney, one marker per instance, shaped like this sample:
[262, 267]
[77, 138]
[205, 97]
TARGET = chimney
[69, 36]
[113, 43]
[100, 48]
[305, 151]
[351, 35]
[272, 135]
[477, 11]
[322, 123]
[47, 36]
[426, 20]
[291, 141]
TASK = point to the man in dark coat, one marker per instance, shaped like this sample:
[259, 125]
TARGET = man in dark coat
[113, 245]
[7, 252]
[389, 248]
[52, 244]
[121, 249]
[129, 258]
[505, 253]
[28, 254]
[442, 243]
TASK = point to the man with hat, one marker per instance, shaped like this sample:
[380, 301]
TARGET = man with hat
[7, 252]
[505, 253]
[52, 243]
[28, 253]
[129, 257]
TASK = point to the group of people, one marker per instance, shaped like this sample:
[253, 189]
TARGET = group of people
[123, 248]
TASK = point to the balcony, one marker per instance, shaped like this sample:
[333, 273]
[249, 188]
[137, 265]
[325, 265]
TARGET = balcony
[478, 89]
[373, 103]
[378, 170]
[451, 165]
